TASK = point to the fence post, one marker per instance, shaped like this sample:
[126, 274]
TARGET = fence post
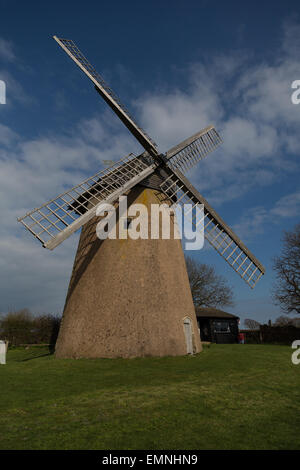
[261, 338]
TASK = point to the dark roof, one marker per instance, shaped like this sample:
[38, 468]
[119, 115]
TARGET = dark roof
[213, 313]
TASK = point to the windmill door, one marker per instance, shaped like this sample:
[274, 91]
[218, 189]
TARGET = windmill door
[187, 324]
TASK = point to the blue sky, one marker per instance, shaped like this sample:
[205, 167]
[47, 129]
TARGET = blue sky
[179, 66]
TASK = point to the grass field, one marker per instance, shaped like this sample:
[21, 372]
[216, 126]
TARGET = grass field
[227, 397]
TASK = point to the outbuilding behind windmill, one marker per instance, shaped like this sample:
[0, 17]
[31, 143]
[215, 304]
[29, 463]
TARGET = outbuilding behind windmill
[217, 326]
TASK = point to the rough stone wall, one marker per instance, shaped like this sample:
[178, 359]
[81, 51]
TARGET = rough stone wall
[127, 298]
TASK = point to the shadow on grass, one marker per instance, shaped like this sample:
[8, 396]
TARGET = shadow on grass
[50, 353]
[36, 357]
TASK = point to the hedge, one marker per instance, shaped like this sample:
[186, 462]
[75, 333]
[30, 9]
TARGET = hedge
[23, 327]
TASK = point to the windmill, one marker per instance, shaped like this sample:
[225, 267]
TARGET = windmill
[131, 298]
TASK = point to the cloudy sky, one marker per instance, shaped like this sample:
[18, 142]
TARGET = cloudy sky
[178, 69]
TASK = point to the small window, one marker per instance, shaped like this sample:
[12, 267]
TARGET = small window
[221, 327]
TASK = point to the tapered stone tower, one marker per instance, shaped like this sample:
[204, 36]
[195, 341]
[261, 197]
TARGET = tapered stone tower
[128, 298]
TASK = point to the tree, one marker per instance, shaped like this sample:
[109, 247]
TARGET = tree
[286, 291]
[287, 321]
[283, 321]
[251, 324]
[22, 327]
[209, 289]
[16, 326]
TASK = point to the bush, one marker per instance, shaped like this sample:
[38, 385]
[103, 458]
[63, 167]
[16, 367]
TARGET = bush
[279, 334]
[22, 327]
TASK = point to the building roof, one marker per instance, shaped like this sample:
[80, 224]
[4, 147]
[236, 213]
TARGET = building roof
[213, 313]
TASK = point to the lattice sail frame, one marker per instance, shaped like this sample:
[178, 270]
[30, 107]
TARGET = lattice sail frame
[216, 231]
[108, 94]
[189, 152]
[58, 218]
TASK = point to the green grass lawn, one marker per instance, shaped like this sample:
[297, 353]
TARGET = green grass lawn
[227, 397]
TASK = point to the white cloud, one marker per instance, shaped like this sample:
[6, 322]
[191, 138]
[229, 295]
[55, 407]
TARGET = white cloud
[287, 206]
[266, 92]
[34, 277]
[252, 223]
[7, 50]
[256, 219]
[7, 136]
[291, 37]
[251, 107]
[14, 90]
[33, 171]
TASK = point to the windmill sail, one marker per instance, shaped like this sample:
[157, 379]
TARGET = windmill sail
[108, 95]
[177, 188]
[57, 219]
[189, 152]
